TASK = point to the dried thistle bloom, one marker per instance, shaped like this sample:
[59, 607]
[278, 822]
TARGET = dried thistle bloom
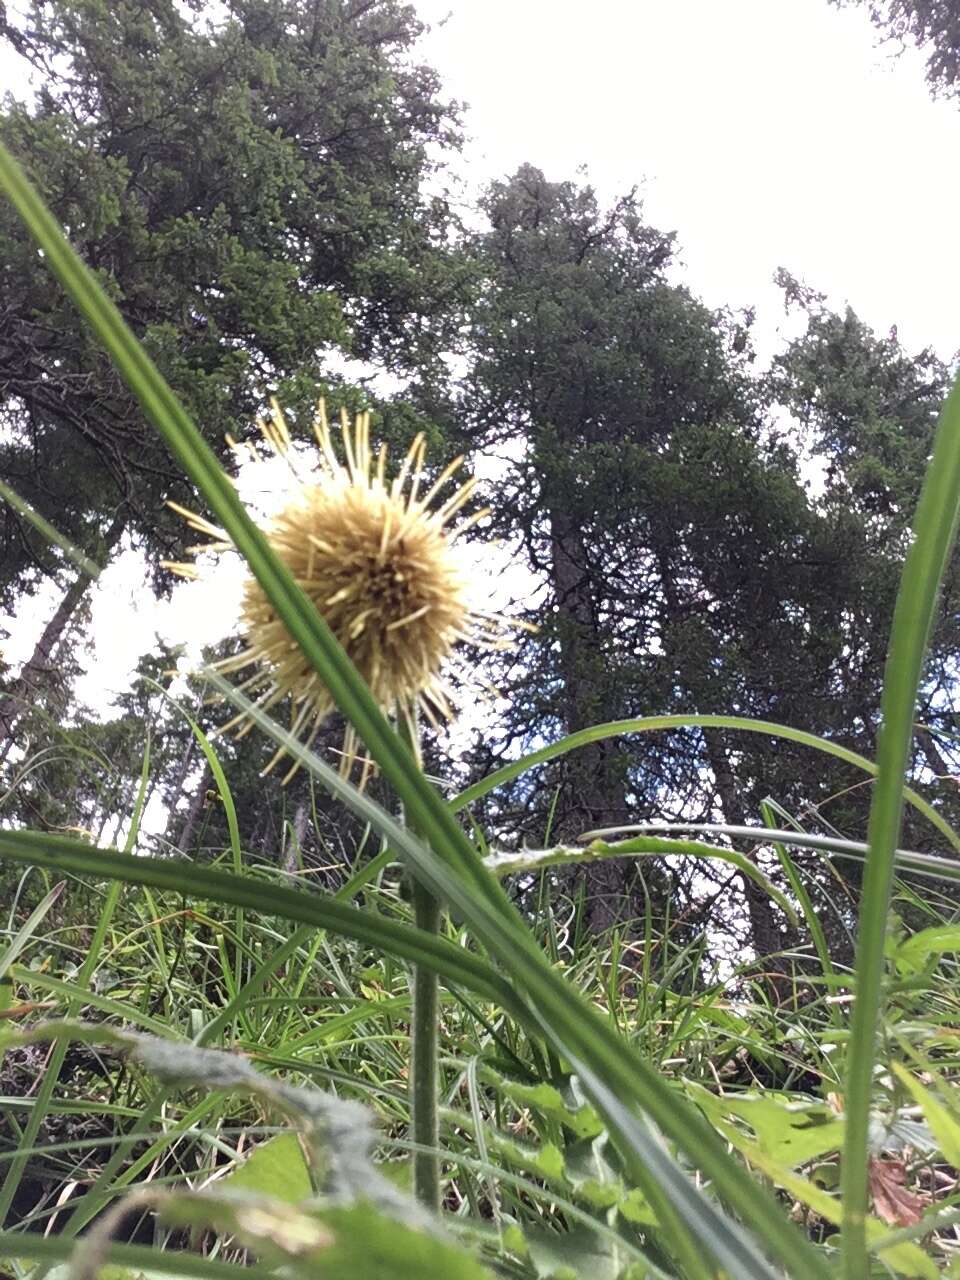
[377, 559]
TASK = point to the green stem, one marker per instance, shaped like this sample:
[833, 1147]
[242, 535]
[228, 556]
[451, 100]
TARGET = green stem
[425, 1042]
[424, 1081]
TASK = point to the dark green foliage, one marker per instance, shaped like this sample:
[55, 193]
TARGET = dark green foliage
[654, 510]
[868, 410]
[934, 25]
[249, 191]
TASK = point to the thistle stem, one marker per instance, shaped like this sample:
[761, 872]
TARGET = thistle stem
[424, 1082]
[424, 1049]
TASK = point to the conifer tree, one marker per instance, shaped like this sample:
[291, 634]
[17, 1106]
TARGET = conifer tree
[250, 191]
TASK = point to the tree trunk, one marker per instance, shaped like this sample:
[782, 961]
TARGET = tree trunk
[188, 830]
[39, 666]
[938, 763]
[764, 928]
[596, 787]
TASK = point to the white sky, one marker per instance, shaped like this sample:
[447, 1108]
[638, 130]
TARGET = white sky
[765, 132]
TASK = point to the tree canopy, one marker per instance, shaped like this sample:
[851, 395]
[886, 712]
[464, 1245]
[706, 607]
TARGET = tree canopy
[251, 190]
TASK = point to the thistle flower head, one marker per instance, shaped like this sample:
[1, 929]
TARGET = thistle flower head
[377, 558]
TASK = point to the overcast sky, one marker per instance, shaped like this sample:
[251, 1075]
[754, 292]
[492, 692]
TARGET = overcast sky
[764, 132]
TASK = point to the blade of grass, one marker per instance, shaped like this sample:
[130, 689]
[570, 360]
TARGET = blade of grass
[800, 893]
[75, 997]
[58, 1052]
[934, 530]
[78, 858]
[513, 863]
[424, 1033]
[654, 724]
[907, 859]
[83, 562]
[137, 1258]
[29, 927]
[611, 1071]
[230, 812]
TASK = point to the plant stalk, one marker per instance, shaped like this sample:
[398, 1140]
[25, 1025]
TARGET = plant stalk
[425, 1042]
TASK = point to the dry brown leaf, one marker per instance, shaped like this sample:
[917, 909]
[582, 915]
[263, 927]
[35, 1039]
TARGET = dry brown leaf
[892, 1201]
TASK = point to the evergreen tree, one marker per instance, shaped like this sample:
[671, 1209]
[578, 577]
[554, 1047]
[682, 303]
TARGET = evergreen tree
[250, 192]
[682, 562]
[934, 25]
[868, 411]
[641, 473]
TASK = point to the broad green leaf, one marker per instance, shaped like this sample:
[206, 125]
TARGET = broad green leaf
[367, 1244]
[911, 954]
[544, 1160]
[275, 1168]
[788, 1130]
[943, 1125]
[582, 1120]
[323, 1243]
[573, 1255]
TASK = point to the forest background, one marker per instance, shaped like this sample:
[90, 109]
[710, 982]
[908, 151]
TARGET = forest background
[690, 527]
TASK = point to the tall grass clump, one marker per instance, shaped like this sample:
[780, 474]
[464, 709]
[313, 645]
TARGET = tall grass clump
[565, 1134]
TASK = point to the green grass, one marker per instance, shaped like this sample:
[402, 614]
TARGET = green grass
[678, 1124]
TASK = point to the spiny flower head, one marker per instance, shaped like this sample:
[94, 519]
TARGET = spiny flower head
[377, 558]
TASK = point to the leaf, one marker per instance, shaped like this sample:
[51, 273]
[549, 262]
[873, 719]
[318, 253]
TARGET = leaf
[28, 928]
[375, 1247]
[892, 1200]
[654, 724]
[279, 1232]
[944, 1126]
[911, 954]
[524, 860]
[790, 1131]
[275, 1168]
[571, 1255]
[65, 1272]
[545, 1160]
[323, 1242]
[580, 1119]
[907, 1258]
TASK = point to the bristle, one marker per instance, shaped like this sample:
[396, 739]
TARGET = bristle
[379, 566]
